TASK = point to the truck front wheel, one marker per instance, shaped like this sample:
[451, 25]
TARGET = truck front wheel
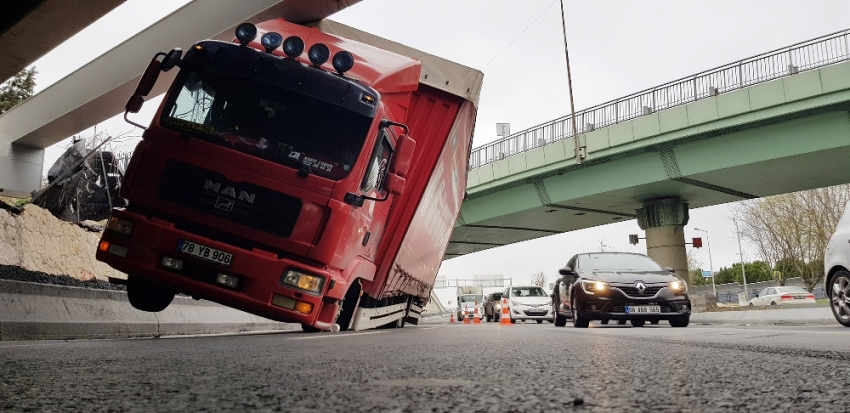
[147, 296]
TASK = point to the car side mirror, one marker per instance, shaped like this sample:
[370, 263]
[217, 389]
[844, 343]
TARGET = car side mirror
[755, 295]
[566, 271]
[670, 269]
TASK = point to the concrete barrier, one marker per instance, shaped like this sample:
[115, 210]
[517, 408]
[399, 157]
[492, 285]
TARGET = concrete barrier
[30, 311]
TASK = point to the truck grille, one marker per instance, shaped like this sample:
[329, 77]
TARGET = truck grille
[247, 204]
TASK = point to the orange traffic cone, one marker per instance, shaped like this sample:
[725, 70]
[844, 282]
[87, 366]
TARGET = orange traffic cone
[466, 315]
[476, 316]
[505, 318]
[452, 317]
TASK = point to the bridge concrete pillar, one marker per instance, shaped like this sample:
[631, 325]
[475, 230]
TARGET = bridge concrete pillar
[664, 220]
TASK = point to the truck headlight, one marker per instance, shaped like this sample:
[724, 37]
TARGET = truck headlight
[302, 281]
[121, 226]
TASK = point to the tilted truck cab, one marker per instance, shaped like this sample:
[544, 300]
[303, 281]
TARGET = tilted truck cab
[297, 175]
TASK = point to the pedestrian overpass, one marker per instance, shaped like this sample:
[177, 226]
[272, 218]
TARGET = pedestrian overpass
[771, 124]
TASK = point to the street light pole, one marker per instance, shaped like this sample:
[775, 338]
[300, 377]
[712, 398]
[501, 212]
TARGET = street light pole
[743, 270]
[710, 264]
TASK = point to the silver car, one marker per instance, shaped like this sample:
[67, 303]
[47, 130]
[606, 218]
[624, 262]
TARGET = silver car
[529, 302]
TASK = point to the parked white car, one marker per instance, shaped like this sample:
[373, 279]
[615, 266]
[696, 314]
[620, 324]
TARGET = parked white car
[836, 262]
[783, 296]
[529, 303]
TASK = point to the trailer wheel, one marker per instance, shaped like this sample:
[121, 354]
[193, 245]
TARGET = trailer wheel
[147, 296]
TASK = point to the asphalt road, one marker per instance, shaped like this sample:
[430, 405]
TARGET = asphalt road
[442, 368]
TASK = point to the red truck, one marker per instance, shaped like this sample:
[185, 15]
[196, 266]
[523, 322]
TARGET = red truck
[298, 175]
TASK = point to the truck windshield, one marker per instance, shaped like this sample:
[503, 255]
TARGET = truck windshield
[268, 122]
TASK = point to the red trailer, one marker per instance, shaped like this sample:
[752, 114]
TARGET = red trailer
[298, 175]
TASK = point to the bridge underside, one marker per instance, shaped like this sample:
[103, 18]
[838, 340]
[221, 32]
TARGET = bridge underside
[757, 153]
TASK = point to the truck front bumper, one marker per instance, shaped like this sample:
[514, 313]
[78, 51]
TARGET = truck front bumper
[255, 289]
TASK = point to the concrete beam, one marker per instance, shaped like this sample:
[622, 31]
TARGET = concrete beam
[30, 29]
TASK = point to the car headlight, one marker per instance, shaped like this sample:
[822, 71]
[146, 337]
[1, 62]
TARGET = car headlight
[302, 281]
[594, 287]
[678, 286]
[516, 303]
[498, 306]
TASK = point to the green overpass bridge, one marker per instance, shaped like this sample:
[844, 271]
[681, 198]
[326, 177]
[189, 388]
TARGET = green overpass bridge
[771, 124]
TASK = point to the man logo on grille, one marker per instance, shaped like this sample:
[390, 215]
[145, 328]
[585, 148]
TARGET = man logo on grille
[641, 287]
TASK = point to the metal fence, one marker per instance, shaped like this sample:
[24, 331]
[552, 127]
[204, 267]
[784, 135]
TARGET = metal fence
[728, 293]
[768, 66]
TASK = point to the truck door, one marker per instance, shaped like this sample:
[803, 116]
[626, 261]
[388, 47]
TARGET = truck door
[376, 212]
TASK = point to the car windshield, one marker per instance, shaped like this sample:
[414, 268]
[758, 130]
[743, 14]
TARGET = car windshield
[267, 122]
[617, 262]
[470, 298]
[528, 292]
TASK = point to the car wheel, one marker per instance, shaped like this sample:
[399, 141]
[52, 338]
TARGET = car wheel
[680, 322]
[621, 322]
[513, 320]
[838, 293]
[560, 319]
[653, 322]
[578, 321]
[147, 296]
[638, 323]
[539, 321]
[773, 303]
[751, 304]
[604, 322]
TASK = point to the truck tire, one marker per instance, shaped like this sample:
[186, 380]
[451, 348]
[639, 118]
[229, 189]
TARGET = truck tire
[147, 296]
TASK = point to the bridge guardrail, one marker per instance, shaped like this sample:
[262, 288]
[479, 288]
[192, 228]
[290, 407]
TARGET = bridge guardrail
[786, 61]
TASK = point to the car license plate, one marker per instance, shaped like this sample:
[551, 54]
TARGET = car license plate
[640, 309]
[205, 253]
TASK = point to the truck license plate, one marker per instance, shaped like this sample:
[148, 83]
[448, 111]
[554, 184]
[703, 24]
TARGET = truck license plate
[205, 253]
[638, 309]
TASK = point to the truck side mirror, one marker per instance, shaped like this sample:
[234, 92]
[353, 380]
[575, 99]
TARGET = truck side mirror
[403, 155]
[171, 59]
[395, 184]
[148, 79]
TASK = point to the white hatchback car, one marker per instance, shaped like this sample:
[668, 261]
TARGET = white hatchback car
[783, 296]
[529, 303]
[836, 262]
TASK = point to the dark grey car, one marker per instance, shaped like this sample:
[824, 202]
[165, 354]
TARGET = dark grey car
[493, 307]
[619, 286]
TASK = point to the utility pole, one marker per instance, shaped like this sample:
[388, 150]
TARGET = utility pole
[743, 269]
[570, 84]
[710, 265]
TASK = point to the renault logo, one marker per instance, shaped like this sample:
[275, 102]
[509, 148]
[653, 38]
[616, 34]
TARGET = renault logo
[641, 287]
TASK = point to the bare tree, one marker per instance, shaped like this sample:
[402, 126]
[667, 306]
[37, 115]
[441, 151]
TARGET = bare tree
[539, 278]
[794, 228]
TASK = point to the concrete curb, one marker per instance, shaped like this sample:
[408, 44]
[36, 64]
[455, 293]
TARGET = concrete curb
[811, 315]
[30, 311]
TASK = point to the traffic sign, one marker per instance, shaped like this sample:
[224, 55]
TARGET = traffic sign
[706, 274]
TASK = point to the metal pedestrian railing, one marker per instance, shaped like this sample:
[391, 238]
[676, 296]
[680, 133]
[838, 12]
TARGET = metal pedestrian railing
[786, 61]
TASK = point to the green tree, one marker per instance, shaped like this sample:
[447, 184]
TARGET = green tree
[756, 271]
[17, 89]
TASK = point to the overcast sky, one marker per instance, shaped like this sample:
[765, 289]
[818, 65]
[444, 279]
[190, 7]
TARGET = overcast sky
[616, 47]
